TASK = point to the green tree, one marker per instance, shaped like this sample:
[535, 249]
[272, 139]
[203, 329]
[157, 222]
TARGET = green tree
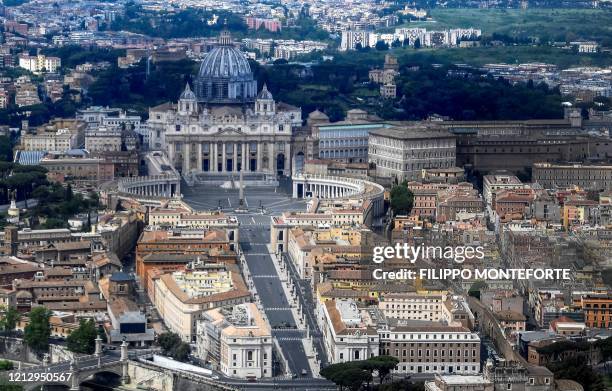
[6, 365]
[9, 319]
[381, 45]
[181, 351]
[83, 339]
[354, 374]
[6, 385]
[475, 289]
[173, 346]
[383, 365]
[6, 149]
[36, 334]
[167, 341]
[69, 193]
[401, 199]
[579, 370]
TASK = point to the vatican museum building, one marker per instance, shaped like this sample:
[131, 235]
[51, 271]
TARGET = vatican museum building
[224, 125]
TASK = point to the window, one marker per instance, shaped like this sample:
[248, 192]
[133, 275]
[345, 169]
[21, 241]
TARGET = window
[509, 386]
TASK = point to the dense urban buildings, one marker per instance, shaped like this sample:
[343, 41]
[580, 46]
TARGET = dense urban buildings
[305, 195]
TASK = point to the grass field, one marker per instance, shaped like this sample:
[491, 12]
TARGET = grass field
[553, 24]
[481, 55]
[510, 55]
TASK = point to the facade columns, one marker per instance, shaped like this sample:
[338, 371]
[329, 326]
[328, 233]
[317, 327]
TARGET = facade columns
[259, 157]
[171, 152]
[199, 165]
[223, 165]
[186, 159]
[212, 166]
[244, 158]
[216, 156]
[271, 156]
[235, 157]
[288, 165]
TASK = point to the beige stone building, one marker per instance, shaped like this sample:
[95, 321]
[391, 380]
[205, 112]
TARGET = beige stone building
[59, 135]
[79, 170]
[182, 297]
[103, 139]
[225, 126]
[237, 341]
[403, 151]
[349, 332]
[592, 177]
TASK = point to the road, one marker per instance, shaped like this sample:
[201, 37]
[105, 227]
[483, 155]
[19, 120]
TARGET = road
[303, 290]
[254, 238]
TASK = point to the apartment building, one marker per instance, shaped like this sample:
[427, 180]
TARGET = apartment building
[40, 63]
[493, 183]
[79, 170]
[162, 247]
[413, 305]
[597, 310]
[345, 242]
[185, 217]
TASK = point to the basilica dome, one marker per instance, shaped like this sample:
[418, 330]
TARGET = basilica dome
[225, 75]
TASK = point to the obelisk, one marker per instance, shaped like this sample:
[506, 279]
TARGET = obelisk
[241, 193]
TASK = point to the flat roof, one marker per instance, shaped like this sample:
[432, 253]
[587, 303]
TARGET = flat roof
[412, 132]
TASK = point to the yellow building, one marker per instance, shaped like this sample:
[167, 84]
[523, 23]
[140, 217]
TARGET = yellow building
[182, 297]
[342, 242]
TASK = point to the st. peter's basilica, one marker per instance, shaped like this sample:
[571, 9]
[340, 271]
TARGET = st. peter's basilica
[224, 125]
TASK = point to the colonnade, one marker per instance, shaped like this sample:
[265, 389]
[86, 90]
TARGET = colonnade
[164, 186]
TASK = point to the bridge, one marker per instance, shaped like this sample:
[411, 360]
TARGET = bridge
[72, 373]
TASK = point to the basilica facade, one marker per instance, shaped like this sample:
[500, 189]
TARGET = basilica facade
[224, 125]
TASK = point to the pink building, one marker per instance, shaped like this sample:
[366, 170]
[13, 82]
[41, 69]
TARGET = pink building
[272, 25]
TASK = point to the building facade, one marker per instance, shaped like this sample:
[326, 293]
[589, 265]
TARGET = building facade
[237, 341]
[552, 176]
[432, 348]
[225, 126]
[401, 152]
